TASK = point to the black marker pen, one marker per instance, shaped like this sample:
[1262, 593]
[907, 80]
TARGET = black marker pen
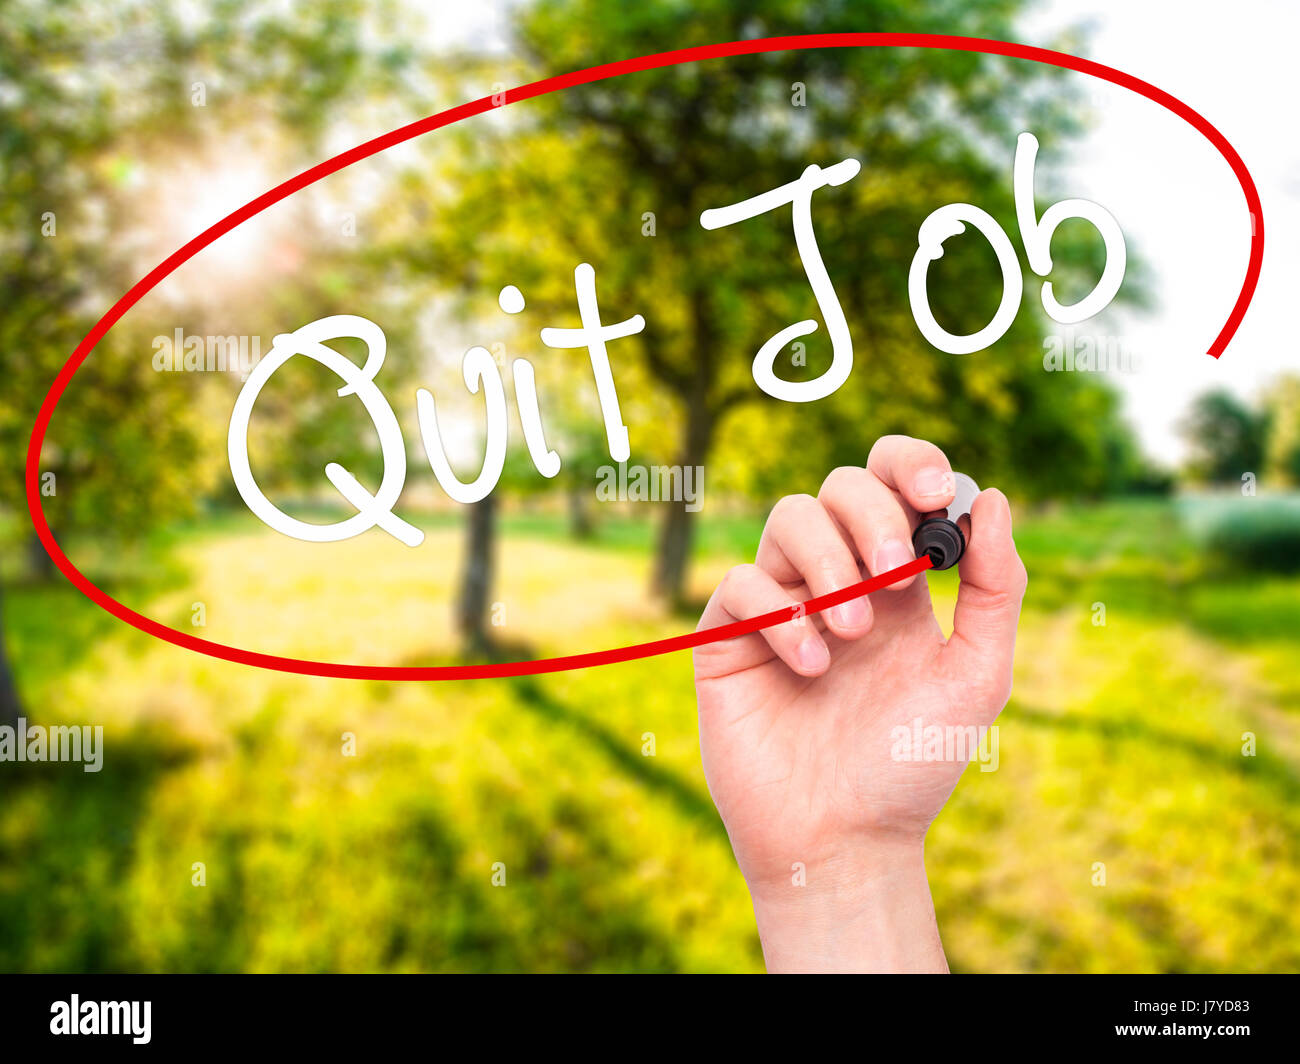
[938, 535]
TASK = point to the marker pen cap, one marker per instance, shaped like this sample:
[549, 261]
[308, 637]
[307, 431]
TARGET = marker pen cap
[939, 535]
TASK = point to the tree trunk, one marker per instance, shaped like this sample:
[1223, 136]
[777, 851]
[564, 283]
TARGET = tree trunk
[474, 609]
[38, 559]
[673, 554]
[10, 707]
[581, 525]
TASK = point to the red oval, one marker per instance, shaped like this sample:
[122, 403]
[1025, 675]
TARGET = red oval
[525, 92]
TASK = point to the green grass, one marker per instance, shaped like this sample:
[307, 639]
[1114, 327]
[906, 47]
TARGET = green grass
[1122, 747]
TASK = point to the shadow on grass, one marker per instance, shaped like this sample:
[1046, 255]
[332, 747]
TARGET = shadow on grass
[50, 626]
[73, 898]
[531, 695]
[690, 801]
[1263, 767]
[552, 912]
[66, 847]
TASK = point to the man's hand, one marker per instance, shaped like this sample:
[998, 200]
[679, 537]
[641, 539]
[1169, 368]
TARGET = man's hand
[796, 720]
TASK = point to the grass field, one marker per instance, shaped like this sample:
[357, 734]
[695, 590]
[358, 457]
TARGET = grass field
[1122, 748]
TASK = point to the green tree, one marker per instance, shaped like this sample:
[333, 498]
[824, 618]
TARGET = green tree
[1282, 404]
[1225, 437]
[84, 93]
[617, 174]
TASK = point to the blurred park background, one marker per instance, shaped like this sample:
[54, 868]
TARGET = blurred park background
[1153, 731]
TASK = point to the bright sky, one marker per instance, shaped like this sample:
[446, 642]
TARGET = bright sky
[1177, 201]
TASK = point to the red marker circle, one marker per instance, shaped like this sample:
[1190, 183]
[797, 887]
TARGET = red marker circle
[603, 72]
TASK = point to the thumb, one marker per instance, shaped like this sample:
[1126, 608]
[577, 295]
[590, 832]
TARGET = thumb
[980, 653]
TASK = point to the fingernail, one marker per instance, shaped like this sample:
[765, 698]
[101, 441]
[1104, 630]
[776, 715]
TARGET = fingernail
[890, 555]
[812, 654]
[851, 614]
[933, 482]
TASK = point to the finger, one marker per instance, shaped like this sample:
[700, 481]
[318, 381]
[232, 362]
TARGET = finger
[876, 520]
[993, 581]
[747, 592]
[916, 469]
[802, 544]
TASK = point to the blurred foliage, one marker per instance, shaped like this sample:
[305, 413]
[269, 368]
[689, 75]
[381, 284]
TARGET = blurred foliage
[617, 173]
[615, 860]
[1282, 409]
[1225, 437]
[1122, 745]
[88, 97]
[1254, 534]
[1231, 440]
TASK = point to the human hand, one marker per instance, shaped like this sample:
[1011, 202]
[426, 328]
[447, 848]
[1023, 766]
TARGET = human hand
[796, 721]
